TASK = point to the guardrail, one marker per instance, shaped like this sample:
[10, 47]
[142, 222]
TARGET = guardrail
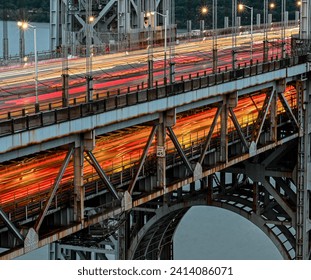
[41, 119]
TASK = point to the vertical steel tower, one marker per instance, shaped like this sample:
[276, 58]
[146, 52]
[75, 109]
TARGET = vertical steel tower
[114, 23]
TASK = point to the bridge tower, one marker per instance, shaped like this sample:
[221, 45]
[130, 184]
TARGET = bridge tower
[113, 23]
[303, 228]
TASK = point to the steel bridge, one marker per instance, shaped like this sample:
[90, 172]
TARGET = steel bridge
[255, 162]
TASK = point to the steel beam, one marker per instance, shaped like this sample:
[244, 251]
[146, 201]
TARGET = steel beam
[78, 164]
[279, 199]
[180, 151]
[288, 109]
[142, 159]
[238, 129]
[92, 160]
[161, 154]
[53, 190]
[12, 228]
[210, 134]
[223, 155]
[262, 117]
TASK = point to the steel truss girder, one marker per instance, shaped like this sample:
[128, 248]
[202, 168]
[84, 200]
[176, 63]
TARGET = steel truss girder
[269, 104]
[112, 19]
[146, 241]
[156, 237]
[266, 215]
[273, 199]
[96, 249]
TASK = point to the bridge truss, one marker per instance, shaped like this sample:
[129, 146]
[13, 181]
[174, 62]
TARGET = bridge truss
[257, 166]
[109, 23]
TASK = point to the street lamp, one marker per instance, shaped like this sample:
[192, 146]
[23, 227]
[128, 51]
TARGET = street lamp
[24, 25]
[165, 16]
[204, 11]
[234, 32]
[89, 53]
[265, 45]
[283, 28]
[241, 8]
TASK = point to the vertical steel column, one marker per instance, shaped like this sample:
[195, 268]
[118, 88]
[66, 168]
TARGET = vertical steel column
[161, 153]
[273, 117]
[305, 24]
[224, 131]
[167, 119]
[123, 238]
[303, 172]
[78, 207]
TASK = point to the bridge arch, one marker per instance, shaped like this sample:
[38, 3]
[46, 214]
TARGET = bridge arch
[155, 239]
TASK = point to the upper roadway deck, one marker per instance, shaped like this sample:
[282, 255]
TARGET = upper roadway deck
[36, 132]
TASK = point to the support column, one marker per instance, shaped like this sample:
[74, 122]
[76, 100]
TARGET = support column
[65, 87]
[305, 19]
[167, 119]
[303, 225]
[124, 238]
[280, 88]
[230, 101]
[78, 207]
[161, 161]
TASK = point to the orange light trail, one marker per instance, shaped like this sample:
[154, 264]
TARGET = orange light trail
[22, 179]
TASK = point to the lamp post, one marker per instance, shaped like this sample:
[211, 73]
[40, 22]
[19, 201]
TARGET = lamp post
[25, 25]
[165, 16]
[265, 43]
[241, 7]
[283, 28]
[89, 55]
[215, 62]
[233, 32]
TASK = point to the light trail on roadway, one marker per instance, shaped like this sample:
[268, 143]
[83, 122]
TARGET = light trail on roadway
[119, 71]
[29, 177]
